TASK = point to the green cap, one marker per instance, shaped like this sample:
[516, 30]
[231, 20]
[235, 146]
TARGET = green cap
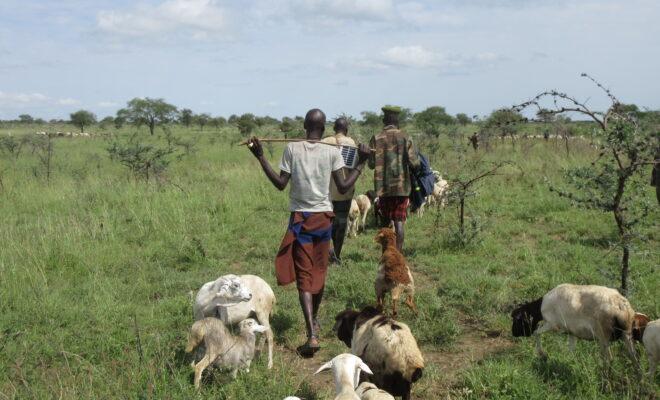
[389, 109]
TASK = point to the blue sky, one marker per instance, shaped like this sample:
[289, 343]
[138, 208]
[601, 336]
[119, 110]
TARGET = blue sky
[284, 57]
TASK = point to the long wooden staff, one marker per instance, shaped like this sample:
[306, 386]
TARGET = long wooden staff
[277, 140]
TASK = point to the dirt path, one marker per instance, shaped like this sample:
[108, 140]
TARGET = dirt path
[473, 345]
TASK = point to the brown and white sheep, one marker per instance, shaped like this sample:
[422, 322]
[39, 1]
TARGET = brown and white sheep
[387, 346]
[394, 274]
[260, 306]
[221, 347]
[583, 311]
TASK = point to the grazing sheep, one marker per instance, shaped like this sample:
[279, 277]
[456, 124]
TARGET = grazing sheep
[583, 311]
[651, 340]
[369, 391]
[260, 306]
[221, 347]
[393, 273]
[353, 219]
[384, 344]
[292, 398]
[364, 204]
[346, 370]
[226, 290]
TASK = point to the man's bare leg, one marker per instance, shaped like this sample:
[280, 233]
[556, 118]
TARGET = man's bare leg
[307, 305]
[398, 228]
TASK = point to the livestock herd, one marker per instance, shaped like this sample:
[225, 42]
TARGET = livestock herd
[384, 354]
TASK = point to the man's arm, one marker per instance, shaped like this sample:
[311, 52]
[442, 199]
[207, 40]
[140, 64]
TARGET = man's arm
[344, 185]
[372, 156]
[413, 160]
[279, 181]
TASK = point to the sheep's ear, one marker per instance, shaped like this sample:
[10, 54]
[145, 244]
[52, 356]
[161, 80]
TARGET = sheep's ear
[364, 367]
[324, 367]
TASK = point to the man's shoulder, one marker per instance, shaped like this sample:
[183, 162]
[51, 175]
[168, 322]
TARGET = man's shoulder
[392, 134]
[329, 139]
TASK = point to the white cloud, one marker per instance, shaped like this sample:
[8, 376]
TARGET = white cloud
[420, 57]
[67, 102]
[32, 99]
[199, 18]
[342, 9]
[412, 56]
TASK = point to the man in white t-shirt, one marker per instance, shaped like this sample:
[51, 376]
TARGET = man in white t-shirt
[303, 254]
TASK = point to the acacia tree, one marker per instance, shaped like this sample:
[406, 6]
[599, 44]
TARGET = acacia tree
[432, 119]
[504, 123]
[147, 111]
[82, 118]
[463, 119]
[608, 183]
[186, 117]
[202, 120]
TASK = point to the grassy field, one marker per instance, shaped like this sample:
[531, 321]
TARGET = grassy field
[97, 271]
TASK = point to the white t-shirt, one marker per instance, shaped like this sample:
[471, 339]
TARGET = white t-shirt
[310, 166]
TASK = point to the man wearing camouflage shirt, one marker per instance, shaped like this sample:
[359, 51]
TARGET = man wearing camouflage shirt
[392, 161]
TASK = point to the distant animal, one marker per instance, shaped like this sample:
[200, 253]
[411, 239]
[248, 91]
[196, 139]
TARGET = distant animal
[259, 306]
[369, 391]
[346, 369]
[394, 274]
[386, 345]
[583, 311]
[371, 194]
[364, 204]
[353, 219]
[221, 348]
[651, 340]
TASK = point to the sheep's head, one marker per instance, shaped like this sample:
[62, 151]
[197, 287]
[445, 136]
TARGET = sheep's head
[385, 236]
[526, 318]
[344, 324]
[639, 324]
[344, 364]
[232, 289]
[250, 326]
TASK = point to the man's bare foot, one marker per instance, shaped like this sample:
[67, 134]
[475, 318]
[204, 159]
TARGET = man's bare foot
[308, 349]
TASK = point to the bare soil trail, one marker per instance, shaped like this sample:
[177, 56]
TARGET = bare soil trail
[473, 345]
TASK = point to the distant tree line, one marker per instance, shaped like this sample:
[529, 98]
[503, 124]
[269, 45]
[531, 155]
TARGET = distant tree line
[432, 121]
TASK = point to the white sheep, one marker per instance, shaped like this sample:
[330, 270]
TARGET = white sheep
[386, 345]
[651, 340]
[583, 311]
[260, 306]
[364, 205]
[226, 290]
[346, 370]
[369, 391]
[221, 348]
[353, 219]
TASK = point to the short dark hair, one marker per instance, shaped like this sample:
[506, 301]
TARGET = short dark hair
[315, 120]
[341, 125]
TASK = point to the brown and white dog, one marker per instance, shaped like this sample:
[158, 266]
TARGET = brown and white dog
[393, 273]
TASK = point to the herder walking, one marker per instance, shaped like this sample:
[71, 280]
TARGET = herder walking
[341, 202]
[392, 161]
[303, 254]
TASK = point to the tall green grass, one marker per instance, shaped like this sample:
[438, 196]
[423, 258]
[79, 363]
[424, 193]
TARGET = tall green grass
[97, 272]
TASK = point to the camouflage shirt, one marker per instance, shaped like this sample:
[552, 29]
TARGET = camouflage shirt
[395, 155]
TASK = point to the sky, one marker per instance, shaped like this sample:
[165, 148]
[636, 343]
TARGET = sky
[283, 57]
